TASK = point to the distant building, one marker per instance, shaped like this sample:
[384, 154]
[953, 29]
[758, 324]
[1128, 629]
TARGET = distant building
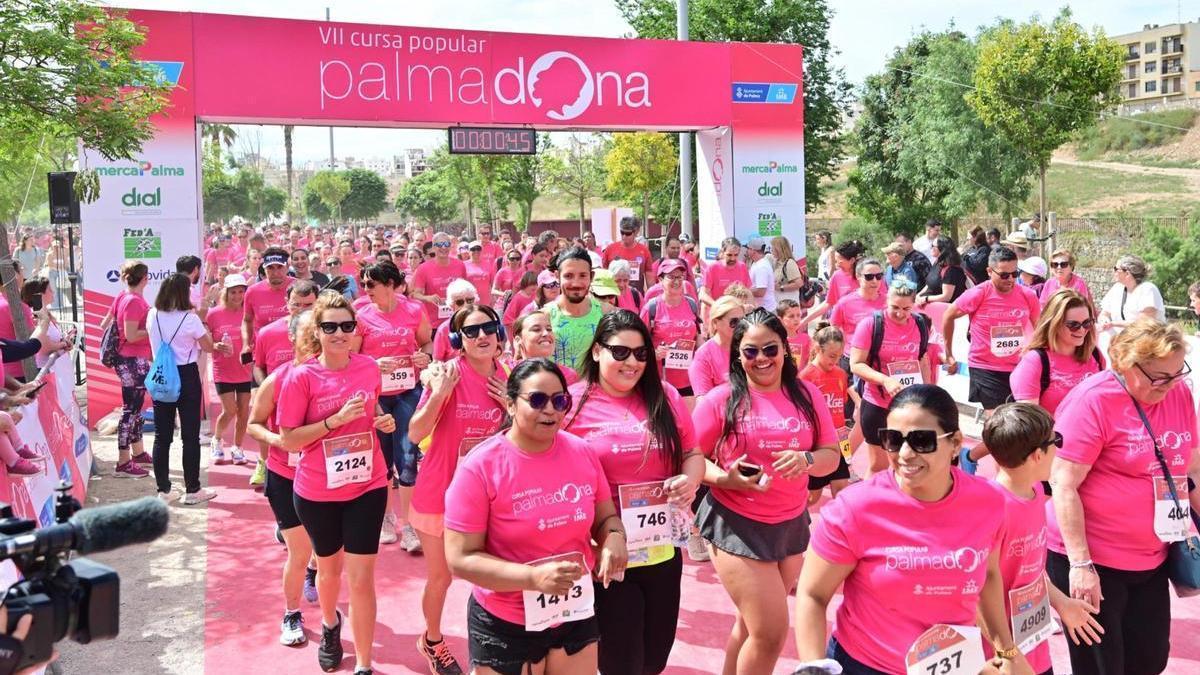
[412, 163]
[1162, 66]
[383, 167]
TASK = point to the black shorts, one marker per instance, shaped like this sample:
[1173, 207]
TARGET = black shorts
[279, 494]
[734, 533]
[353, 525]
[842, 472]
[686, 391]
[989, 388]
[227, 387]
[873, 418]
[508, 648]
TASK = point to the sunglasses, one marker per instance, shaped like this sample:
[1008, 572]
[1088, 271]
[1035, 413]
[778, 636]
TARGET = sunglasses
[1060, 265]
[331, 327]
[1056, 440]
[442, 244]
[473, 331]
[873, 277]
[1160, 381]
[538, 400]
[923, 441]
[1118, 269]
[621, 352]
[514, 260]
[552, 284]
[459, 302]
[1004, 275]
[733, 321]
[1086, 324]
[770, 351]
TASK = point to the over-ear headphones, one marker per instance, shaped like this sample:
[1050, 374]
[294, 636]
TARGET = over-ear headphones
[461, 316]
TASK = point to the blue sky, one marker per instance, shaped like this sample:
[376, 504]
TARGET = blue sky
[865, 32]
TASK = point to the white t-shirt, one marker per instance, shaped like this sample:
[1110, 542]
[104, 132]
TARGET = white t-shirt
[762, 275]
[925, 246]
[1144, 295]
[186, 342]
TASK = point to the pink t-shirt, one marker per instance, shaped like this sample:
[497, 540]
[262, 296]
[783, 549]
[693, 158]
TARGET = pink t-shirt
[490, 252]
[916, 564]
[442, 351]
[709, 369]
[531, 506]
[481, 278]
[227, 324]
[433, 279]
[617, 431]
[360, 302]
[656, 291]
[128, 307]
[391, 333]
[278, 460]
[1076, 284]
[852, 309]
[8, 331]
[801, 346]
[676, 327]
[1101, 428]
[468, 417]
[312, 393]
[841, 284]
[512, 311]
[999, 324]
[897, 355]
[718, 276]
[626, 300]
[265, 303]
[1065, 374]
[506, 277]
[272, 346]
[770, 425]
[1023, 554]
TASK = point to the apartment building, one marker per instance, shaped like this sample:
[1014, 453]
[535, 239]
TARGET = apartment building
[1162, 65]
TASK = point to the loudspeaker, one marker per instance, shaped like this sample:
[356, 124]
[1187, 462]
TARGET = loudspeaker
[64, 207]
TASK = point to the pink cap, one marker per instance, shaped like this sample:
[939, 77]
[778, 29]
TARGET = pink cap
[546, 278]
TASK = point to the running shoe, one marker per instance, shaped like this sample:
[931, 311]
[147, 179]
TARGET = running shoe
[218, 453]
[697, 548]
[143, 458]
[387, 533]
[329, 654]
[441, 661]
[364, 671]
[966, 463]
[310, 585]
[165, 497]
[23, 467]
[238, 455]
[130, 470]
[198, 497]
[26, 453]
[409, 541]
[260, 475]
[291, 629]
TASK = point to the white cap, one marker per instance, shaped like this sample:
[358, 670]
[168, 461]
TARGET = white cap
[235, 280]
[1033, 265]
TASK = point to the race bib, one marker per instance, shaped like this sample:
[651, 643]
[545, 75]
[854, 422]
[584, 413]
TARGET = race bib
[348, 459]
[946, 650]
[1171, 522]
[679, 357]
[293, 459]
[647, 515]
[444, 312]
[635, 270]
[1006, 340]
[468, 444]
[907, 373]
[1031, 620]
[843, 435]
[544, 611]
[402, 378]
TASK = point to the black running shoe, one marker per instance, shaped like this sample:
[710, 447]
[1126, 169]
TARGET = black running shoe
[329, 654]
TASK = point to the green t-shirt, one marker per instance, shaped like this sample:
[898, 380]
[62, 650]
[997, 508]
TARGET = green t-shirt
[573, 334]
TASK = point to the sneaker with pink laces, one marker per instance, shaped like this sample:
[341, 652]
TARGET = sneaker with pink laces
[130, 469]
[23, 467]
[441, 661]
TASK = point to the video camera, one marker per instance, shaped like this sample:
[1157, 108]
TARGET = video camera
[80, 598]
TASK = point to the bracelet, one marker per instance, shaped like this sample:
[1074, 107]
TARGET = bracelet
[326, 423]
[1082, 564]
[618, 532]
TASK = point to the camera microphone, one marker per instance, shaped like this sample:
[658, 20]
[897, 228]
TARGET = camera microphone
[94, 530]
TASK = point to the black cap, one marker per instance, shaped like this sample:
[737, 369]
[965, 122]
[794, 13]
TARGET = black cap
[275, 259]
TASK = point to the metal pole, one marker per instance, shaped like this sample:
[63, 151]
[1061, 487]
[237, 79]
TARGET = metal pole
[685, 144]
[73, 277]
[332, 161]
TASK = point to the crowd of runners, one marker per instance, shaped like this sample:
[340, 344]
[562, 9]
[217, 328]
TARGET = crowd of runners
[556, 423]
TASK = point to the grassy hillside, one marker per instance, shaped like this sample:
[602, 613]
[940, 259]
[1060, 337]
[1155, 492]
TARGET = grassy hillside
[1124, 135]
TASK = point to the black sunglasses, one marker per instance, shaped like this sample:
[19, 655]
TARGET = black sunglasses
[1159, 381]
[472, 331]
[1060, 265]
[1004, 275]
[770, 351]
[331, 327]
[621, 352]
[538, 400]
[923, 441]
[873, 277]
[1086, 324]
[734, 322]
[1056, 441]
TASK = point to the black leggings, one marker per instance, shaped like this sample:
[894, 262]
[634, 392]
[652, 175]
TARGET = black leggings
[352, 525]
[638, 618]
[1135, 613]
[188, 406]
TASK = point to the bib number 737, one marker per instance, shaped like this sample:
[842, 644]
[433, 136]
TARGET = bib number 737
[946, 650]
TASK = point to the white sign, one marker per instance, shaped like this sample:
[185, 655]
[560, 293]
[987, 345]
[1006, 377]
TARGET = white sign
[714, 188]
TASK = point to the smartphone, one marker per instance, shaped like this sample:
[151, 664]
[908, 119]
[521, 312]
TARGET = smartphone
[749, 470]
[247, 357]
[33, 392]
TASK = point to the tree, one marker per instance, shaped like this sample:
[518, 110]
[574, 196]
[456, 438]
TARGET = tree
[367, 197]
[1174, 260]
[330, 190]
[218, 136]
[827, 95]
[428, 198]
[1038, 84]
[577, 171]
[488, 168]
[462, 173]
[523, 178]
[223, 199]
[638, 164]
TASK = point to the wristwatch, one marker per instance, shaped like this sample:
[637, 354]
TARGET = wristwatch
[1007, 654]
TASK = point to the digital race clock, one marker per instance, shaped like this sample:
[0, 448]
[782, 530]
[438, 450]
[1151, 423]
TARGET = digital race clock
[492, 141]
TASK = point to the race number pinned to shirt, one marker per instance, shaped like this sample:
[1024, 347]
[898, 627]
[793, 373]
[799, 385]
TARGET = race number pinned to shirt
[1005, 340]
[946, 650]
[293, 459]
[646, 514]
[907, 373]
[679, 356]
[1171, 522]
[402, 378]
[444, 312]
[1031, 620]
[543, 610]
[843, 435]
[635, 269]
[468, 444]
[348, 459]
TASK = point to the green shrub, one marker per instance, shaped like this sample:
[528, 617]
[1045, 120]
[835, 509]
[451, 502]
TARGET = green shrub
[1174, 260]
[1123, 134]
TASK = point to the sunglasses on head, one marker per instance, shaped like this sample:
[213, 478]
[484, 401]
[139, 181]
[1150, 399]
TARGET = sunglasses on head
[1060, 265]
[1056, 440]
[873, 277]
[770, 351]
[1004, 275]
[1086, 324]
[473, 331]
[538, 400]
[923, 441]
[621, 352]
[331, 327]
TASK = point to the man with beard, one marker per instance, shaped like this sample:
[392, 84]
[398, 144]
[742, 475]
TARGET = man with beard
[575, 314]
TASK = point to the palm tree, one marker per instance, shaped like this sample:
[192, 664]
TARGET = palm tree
[287, 152]
[219, 135]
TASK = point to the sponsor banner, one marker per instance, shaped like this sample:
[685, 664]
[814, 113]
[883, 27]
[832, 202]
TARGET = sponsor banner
[605, 222]
[768, 189]
[714, 188]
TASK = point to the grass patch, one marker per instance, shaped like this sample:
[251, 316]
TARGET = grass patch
[1071, 188]
[1123, 134]
[1158, 162]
